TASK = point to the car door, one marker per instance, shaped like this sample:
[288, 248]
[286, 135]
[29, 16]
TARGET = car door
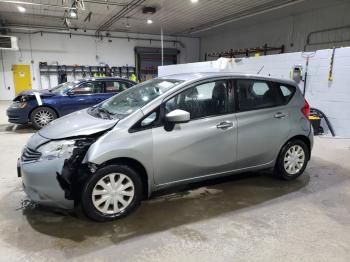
[263, 122]
[83, 95]
[204, 146]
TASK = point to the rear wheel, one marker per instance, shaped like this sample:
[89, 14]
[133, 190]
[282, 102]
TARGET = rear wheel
[111, 193]
[42, 116]
[292, 160]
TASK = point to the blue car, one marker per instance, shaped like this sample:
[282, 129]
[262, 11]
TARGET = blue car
[40, 107]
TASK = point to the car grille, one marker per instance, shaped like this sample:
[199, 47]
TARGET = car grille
[13, 118]
[30, 155]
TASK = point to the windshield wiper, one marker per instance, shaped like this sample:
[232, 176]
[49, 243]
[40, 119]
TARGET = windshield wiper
[105, 111]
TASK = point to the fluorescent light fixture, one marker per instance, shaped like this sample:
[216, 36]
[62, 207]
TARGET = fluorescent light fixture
[72, 14]
[21, 9]
[149, 21]
[194, 1]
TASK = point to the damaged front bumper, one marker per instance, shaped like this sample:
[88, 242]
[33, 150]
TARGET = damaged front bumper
[41, 185]
[57, 181]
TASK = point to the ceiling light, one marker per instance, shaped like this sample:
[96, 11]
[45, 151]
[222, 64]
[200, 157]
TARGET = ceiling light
[21, 9]
[72, 13]
[194, 1]
[149, 21]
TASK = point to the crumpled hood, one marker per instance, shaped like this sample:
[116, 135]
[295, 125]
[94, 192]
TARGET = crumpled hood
[79, 123]
[44, 93]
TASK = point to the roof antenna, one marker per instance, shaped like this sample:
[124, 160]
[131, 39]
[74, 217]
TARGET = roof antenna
[260, 69]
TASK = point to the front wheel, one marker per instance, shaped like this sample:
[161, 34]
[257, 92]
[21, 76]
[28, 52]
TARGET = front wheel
[42, 116]
[111, 193]
[292, 160]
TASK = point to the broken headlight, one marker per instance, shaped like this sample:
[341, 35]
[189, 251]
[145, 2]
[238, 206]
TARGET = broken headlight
[19, 105]
[57, 149]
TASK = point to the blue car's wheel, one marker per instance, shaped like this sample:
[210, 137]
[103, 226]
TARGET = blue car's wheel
[42, 116]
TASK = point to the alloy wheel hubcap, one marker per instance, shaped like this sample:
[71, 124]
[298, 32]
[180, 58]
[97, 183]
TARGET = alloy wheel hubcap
[294, 159]
[43, 117]
[113, 193]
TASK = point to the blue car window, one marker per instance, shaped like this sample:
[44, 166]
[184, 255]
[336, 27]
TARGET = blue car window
[115, 86]
[89, 87]
[83, 90]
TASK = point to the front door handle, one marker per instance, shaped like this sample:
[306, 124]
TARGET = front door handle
[280, 115]
[224, 125]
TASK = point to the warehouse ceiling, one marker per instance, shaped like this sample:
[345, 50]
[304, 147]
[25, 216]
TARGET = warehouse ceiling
[176, 17]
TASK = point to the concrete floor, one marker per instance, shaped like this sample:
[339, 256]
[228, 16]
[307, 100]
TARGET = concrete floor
[244, 218]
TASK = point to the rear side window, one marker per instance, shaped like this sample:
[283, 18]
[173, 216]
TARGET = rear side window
[116, 86]
[257, 94]
[89, 87]
[287, 92]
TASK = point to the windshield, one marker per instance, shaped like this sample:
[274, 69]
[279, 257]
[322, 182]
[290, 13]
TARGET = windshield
[63, 88]
[132, 99]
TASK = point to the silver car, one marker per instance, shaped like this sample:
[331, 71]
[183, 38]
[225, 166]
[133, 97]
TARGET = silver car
[167, 131]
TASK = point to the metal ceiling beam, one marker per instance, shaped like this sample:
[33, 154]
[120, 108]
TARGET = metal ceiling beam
[31, 15]
[106, 2]
[35, 4]
[149, 39]
[122, 13]
[261, 9]
[26, 27]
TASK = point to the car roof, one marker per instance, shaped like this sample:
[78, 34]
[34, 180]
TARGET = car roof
[207, 75]
[104, 78]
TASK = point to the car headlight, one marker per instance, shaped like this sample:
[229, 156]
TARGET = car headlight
[57, 149]
[19, 105]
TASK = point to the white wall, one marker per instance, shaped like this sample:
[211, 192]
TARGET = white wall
[332, 97]
[82, 50]
[289, 30]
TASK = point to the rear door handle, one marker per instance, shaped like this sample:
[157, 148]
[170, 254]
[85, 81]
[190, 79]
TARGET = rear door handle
[280, 115]
[224, 125]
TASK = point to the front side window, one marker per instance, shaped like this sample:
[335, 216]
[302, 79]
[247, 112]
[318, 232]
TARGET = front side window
[63, 88]
[149, 121]
[202, 100]
[134, 98]
[256, 94]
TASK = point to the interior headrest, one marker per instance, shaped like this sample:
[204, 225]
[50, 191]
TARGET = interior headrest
[219, 91]
[191, 93]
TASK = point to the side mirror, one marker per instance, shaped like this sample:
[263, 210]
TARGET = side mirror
[178, 116]
[70, 92]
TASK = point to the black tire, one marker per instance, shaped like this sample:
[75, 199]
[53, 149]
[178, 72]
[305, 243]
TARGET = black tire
[87, 193]
[44, 111]
[280, 169]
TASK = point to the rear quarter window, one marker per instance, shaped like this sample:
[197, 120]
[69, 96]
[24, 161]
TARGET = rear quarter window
[287, 92]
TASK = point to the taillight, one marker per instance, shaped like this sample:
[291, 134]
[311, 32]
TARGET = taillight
[306, 109]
